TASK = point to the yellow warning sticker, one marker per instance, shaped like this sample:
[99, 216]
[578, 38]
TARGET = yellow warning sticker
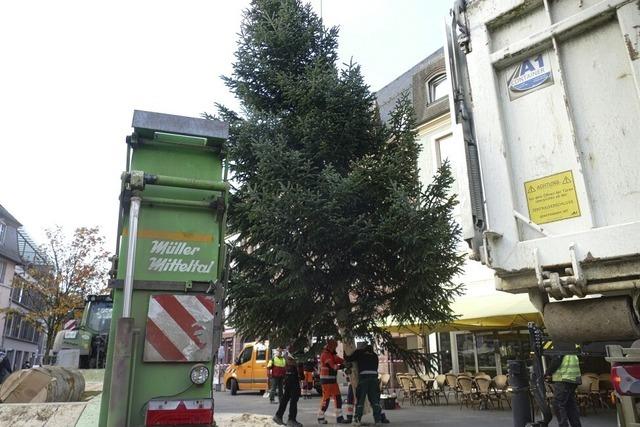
[552, 198]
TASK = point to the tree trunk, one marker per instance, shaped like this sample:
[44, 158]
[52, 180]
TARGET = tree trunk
[47, 349]
[349, 346]
[51, 336]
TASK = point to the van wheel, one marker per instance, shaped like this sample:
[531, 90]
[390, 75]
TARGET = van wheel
[233, 387]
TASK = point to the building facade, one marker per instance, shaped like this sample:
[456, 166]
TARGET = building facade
[20, 339]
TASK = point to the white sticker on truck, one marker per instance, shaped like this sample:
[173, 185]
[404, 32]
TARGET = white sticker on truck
[529, 75]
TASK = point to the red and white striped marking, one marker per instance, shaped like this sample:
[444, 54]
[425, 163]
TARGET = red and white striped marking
[70, 325]
[179, 328]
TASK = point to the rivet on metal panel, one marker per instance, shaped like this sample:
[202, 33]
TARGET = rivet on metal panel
[188, 285]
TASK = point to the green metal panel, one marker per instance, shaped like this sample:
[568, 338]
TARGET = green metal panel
[176, 243]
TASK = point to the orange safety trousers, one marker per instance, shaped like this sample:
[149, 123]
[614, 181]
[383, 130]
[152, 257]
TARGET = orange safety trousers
[329, 391]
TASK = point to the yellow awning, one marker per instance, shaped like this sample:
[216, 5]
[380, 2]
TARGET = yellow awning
[497, 310]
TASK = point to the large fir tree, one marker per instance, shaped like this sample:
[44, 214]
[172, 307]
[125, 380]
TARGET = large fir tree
[336, 235]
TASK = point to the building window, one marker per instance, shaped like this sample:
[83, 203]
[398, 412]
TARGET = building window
[7, 324]
[3, 232]
[15, 327]
[3, 270]
[437, 88]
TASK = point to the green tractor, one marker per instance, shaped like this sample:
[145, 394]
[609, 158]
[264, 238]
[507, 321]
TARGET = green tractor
[90, 335]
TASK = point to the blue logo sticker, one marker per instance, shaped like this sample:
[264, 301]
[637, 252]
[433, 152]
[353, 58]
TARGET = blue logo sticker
[531, 74]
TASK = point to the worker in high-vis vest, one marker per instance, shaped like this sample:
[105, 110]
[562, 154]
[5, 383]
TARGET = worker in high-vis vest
[276, 370]
[564, 372]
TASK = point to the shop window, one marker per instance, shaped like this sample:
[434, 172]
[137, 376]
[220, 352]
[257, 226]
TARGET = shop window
[466, 353]
[486, 349]
[437, 88]
[513, 345]
[444, 352]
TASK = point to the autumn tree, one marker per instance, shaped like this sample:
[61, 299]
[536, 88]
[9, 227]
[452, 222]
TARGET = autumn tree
[75, 266]
[336, 235]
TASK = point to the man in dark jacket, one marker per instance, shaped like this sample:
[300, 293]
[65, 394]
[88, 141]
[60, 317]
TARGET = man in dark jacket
[291, 393]
[368, 386]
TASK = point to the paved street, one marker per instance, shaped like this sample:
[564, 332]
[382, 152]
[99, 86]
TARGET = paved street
[450, 415]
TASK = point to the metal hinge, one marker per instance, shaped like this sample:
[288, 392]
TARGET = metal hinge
[573, 283]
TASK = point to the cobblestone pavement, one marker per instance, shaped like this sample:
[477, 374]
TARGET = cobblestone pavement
[444, 415]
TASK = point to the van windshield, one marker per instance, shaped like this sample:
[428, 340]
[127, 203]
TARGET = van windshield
[245, 356]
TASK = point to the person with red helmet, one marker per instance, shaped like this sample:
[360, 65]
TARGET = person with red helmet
[330, 363]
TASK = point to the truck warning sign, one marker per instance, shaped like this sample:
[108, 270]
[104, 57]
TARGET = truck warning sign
[552, 198]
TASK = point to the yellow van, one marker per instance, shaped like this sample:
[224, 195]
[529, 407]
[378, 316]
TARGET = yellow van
[249, 370]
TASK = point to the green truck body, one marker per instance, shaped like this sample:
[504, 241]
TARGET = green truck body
[175, 168]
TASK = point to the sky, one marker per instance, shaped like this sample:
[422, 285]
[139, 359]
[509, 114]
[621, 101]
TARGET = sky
[73, 71]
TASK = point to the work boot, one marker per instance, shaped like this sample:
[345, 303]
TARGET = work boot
[278, 420]
[384, 420]
[293, 423]
[322, 421]
[341, 420]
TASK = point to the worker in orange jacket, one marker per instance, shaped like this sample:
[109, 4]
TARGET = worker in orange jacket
[330, 363]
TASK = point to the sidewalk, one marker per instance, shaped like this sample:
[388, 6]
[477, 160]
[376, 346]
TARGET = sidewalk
[252, 410]
[229, 410]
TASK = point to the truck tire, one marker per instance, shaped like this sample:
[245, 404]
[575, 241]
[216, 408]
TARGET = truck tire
[233, 386]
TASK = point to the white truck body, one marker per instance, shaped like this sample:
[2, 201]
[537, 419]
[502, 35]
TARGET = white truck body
[550, 93]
